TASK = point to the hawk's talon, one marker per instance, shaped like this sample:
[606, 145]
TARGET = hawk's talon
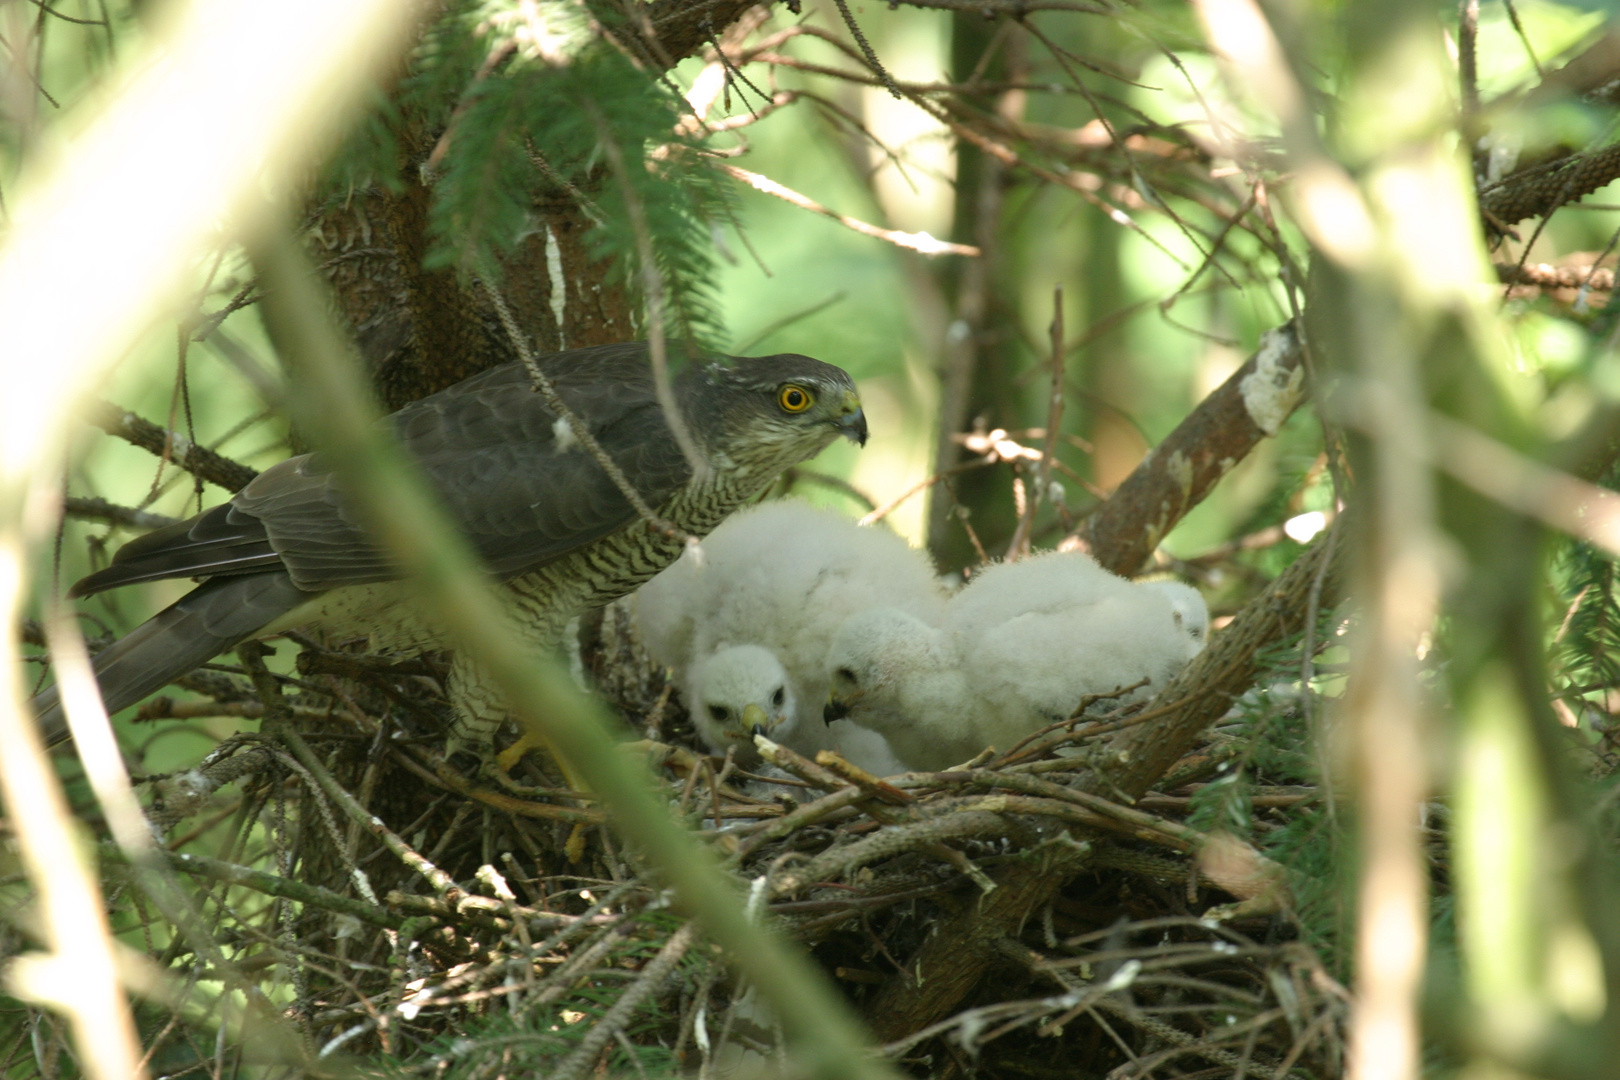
[507, 759]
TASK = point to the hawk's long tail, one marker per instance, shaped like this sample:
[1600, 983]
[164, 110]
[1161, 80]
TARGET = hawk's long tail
[215, 616]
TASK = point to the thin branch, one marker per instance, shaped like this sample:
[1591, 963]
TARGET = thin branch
[1072, 181]
[866, 49]
[197, 460]
[827, 480]
[363, 817]
[923, 485]
[991, 8]
[788, 320]
[1524, 38]
[53, 13]
[616, 1019]
[919, 242]
[1468, 81]
[94, 509]
[1019, 545]
[271, 885]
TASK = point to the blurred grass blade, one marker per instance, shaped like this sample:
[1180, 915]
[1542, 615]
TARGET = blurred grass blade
[78, 976]
[105, 224]
[104, 227]
[401, 513]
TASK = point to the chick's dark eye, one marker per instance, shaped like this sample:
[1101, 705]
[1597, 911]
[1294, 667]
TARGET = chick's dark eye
[794, 398]
[778, 697]
[845, 674]
[717, 712]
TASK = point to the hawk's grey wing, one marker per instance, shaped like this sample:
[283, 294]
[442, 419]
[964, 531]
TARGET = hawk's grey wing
[515, 480]
[511, 474]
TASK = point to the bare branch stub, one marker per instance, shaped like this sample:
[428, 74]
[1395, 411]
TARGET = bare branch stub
[1180, 471]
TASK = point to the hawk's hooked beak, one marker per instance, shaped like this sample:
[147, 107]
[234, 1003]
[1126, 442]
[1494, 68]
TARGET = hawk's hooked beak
[851, 422]
[755, 721]
[837, 708]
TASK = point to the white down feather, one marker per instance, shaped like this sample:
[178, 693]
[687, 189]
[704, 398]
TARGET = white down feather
[1019, 647]
[774, 583]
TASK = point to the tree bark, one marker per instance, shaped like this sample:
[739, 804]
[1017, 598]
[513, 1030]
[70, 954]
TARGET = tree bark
[974, 376]
[422, 330]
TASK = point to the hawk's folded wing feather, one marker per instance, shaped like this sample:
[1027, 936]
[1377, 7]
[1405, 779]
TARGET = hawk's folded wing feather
[511, 474]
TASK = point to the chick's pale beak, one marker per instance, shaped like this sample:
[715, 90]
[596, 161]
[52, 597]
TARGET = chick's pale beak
[851, 422]
[835, 709]
[755, 721]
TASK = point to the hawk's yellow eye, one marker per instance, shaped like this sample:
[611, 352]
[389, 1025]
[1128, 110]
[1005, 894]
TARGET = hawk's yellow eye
[794, 398]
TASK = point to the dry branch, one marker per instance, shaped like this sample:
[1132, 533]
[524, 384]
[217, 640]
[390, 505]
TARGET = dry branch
[617, 1018]
[920, 242]
[1178, 473]
[1595, 278]
[93, 509]
[272, 885]
[171, 446]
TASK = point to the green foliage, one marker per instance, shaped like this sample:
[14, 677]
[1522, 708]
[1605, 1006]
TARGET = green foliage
[1586, 649]
[1321, 878]
[1585, 621]
[1276, 744]
[525, 114]
[532, 1043]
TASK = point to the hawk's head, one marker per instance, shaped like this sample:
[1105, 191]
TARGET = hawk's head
[769, 412]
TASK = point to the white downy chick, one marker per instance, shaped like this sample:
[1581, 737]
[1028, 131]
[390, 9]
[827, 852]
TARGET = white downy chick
[1020, 647]
[737, 693]
[743, 690]
[1189, 610]
[782, 577]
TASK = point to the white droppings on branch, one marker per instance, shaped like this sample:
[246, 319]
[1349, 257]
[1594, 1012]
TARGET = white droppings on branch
[362, 884]
[1273, 389]
[1179, 467]
[563, 436]
[559, 285]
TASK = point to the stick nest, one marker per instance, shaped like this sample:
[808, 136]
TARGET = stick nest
[380, 905]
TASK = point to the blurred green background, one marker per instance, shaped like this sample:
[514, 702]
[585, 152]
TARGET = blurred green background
[1153, 323]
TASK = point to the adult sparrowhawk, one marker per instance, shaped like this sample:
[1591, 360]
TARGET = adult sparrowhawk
[286, 551]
